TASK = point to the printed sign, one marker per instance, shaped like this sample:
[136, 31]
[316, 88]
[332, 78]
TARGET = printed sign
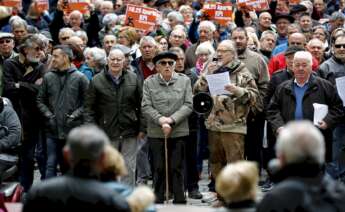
[42, 5]
[141, 17]
[257, 5]
[11, 3]
[221, 13]
[70, 5]
[294, 2]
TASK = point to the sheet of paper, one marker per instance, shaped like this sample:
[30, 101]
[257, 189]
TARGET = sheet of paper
[217, 82]
[340, 82]
[320, 112]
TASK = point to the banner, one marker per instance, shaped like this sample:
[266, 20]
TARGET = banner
[220, 13]
[294, 2]
[12, 3]
[42, 5]
[257, 5]
[141, 17]
[70, 5]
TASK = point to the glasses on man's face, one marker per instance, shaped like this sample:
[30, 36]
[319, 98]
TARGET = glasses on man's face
[164, 63]
[338, 46]
[5, 41]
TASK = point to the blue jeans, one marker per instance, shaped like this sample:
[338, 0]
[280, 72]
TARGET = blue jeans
[54, 157]
[339, 149]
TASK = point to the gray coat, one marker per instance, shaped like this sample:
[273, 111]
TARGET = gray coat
[331, 69]
[171, 99]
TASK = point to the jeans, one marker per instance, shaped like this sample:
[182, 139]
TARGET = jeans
[54, 157]
[339, 150]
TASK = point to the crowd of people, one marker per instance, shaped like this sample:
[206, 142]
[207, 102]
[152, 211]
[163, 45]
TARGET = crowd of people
[61, 70]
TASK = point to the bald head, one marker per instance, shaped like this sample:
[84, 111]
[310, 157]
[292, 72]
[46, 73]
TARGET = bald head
[297, 39]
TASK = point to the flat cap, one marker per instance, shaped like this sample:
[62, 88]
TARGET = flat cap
[161, 2]
[166, 54]
[283, 16]
[298, 8]
[6, 35]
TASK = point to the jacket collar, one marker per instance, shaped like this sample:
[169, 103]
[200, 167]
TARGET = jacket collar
[163, 82]
[312, 84]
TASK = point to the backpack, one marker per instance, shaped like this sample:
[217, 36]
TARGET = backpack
[329, 196]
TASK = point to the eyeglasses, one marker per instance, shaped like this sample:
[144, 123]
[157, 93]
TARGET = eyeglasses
[338, 46]
[64, 38]
[164, 63]
[5, 41]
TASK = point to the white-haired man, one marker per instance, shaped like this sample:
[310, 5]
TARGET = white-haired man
[302, 184]
[294, 99]
[75, 20]
[205, 31]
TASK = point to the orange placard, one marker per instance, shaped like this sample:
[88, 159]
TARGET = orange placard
[11, 3]
[221, 13]
[257, 5]
[42, 5]
[70, 5]
[294, 2]
[141, 17]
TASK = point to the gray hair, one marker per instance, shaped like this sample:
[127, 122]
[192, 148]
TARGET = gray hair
[86, 143]
[66, 30]
[268, 32]
[113, 50]
[177, 50]
[300, 141]
[109, 18]
[176, 15]
[18, 22]
[148, 39]
[337, 16]
[76, 12]
[304, 55]
[316, 40]
[30, 40]
[230, 45]
[205, 47]
[184, 8]
[99, 55]
[207, 24]
[82, 34]
[179, 29]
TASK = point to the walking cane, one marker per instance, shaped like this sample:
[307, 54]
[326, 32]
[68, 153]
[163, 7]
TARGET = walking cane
[166, 169]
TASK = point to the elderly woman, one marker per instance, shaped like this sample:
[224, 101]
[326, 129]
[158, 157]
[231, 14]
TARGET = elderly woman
[237, 185]
[203, 52]
[166, 104]
[95, 62]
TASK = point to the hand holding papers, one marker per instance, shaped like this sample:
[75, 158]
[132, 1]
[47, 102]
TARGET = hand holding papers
[217, 82]
[340, 82]
[320, 112]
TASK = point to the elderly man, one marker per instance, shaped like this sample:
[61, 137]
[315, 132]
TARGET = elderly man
[177, 38]
[226, 123]
[75, 20]
[294, 99]
[317, 49]
[282, 22]
[6, 52]
[205, 31]
[267, 43]
[19, 29]
[265, 21]
[22, 79]
[61, 102]
[302, 184]
[113, 102]
[108, 42]
[167, 103]
[258, 68]
[84, 152]
[144, 66]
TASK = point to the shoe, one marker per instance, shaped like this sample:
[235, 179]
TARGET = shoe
[195, 194]
[210, 197]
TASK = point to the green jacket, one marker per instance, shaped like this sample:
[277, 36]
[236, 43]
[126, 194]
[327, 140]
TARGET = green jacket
[170, 99]
[115, 107]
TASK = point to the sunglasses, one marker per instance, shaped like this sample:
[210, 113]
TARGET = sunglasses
[338, 46]
[164, 63]
[64, 38]
[5, 41]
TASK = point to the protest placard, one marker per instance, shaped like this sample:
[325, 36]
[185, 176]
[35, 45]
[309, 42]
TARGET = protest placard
[70, 5]
[257, 5]
[220, 13]
[42, 5]
[11, 3]
[141, 17]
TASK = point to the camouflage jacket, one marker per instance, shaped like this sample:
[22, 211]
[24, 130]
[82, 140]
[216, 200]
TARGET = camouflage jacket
[229, 112]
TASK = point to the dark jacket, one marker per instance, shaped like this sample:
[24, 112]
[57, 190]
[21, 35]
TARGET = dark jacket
[289, 195]
[115, 108]
[70, 193]
[24, 97]
[331, 69]
[10, 128]
[281, 108]
[62, 95]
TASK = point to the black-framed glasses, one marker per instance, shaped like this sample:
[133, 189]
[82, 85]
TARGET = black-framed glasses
[64, 38]
[338, 46]
[5, 41]
[164, 63]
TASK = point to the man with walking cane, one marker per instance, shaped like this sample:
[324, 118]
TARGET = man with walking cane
[167, 103]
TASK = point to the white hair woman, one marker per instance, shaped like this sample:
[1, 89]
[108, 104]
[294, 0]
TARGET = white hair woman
[95, 62]
[203, 52]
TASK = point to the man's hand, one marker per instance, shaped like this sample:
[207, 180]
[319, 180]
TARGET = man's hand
[233, 89]
[212, 67]
[279, 130]
[322, 125]
[141, 136]
[165, 120]
[39, 81]
[166, 130]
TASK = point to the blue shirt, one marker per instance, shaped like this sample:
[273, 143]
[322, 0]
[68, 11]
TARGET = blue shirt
[279, 49]
[299, 94]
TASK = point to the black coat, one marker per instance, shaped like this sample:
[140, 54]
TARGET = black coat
[70, 193]
[62, 95]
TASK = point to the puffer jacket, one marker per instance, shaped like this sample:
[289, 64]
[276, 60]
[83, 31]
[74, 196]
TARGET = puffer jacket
[60, 97]
[230, 112]
[170, 99]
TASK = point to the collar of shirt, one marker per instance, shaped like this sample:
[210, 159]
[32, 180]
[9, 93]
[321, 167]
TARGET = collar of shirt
[301, 85]
[116, 79]
[167, 82]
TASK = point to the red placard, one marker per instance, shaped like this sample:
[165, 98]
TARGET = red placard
[221, 13]
[257, 5]
[11, 3]
[294, 2]
[70, 5]
[141, 17]
[42, 5]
